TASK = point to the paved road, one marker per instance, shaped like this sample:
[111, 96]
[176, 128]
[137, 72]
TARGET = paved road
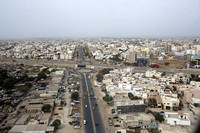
[71, 64]
[96, 113]
[86, 110]
[91, 114]
[81, 53]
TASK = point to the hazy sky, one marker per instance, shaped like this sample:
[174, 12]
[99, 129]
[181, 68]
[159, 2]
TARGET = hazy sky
[99, 18]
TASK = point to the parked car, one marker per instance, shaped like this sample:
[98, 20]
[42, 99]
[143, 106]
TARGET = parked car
[76, 127]
[115, 117]
[110, 122]
[60, 108]
[116, 125]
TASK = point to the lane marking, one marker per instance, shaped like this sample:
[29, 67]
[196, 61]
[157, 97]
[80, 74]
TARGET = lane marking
[82, 101]
[93, 124]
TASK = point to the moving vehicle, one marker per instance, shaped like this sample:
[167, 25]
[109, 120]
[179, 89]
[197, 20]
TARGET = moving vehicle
[84, 122]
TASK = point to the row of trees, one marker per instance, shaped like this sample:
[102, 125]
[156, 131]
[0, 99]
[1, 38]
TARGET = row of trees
[101, 73]
[159, 117]
[132, 97]
[56, 123]
[46, 108]
[116, 58]
[8, 82]
[194, 77]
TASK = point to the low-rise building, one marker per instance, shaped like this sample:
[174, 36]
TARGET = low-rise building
[141, 120]
[122, 104]
[175, 118]
[169, 102]
[23, 119]
[32, 129]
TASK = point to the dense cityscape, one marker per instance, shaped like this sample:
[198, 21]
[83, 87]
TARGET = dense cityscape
[99, 66]
[123, 85]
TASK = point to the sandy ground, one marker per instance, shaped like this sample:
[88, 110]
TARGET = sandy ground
[173, 64]
[105, 109]
[65, 127]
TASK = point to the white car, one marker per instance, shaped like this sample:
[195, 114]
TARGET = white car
[84, 122]
[86, 106]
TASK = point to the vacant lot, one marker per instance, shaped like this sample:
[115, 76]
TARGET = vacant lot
[171, 64]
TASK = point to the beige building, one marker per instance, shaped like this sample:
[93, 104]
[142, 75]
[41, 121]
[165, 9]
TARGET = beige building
[170, 102]
[142, 120]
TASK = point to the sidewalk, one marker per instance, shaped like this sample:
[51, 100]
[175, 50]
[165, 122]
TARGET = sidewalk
[104, 108]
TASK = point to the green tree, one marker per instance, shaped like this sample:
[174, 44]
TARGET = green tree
[75, 95]
[194, 77]
[116, 58]
[56, 123]
[158, 116]
[180, 105]
[101, 73]
[28, 84]
[46, 108]
[3, 76]
[163, 74]
[166, 63]
[43, 84]
[99, 77]
[174, 88]
[42, 75]
[105, 71]
[175, 108]
[107, 98]
[8, 83]
[132, 97]
[181, 81]
[25, 87]
[152, 102]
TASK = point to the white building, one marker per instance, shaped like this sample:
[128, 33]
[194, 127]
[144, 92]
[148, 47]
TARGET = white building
[174, 118]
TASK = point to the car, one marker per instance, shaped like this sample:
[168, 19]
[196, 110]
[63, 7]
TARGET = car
[115, 117]
[116, 125]
[113, 111]
[86, 106]
[84, 122]
[110, 122]
[130, 127]
[162, 112]
[96, 124]
[77, 127]
[60, 108]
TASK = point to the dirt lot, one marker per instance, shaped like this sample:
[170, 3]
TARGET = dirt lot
[66, 127]
[173, 63]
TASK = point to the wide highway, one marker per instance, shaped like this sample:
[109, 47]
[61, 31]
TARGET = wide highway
[91, 114]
